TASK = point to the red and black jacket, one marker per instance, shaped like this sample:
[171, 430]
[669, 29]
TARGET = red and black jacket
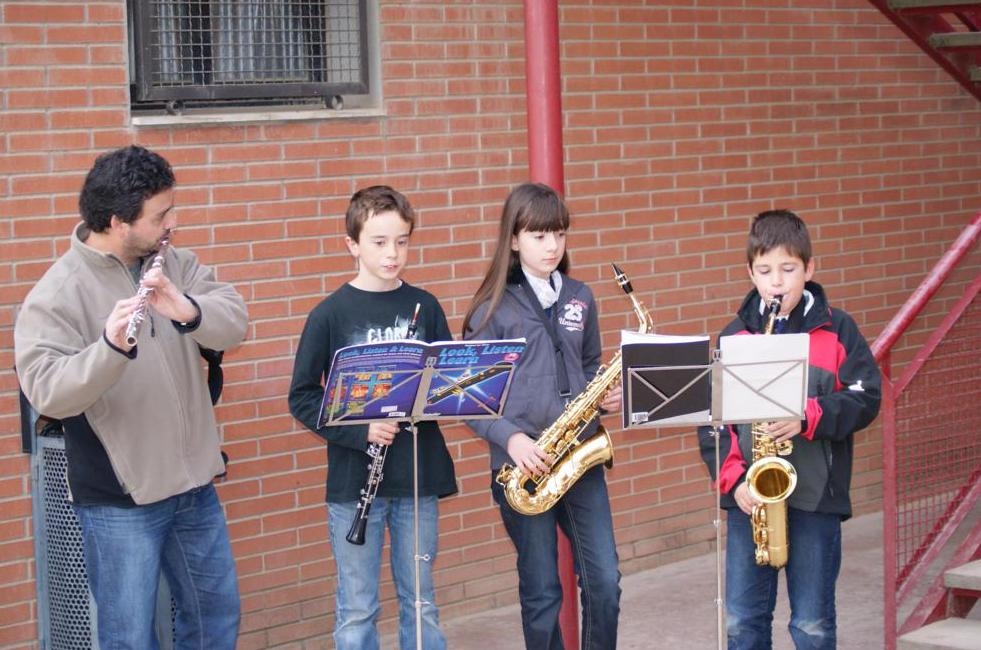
[844, 392]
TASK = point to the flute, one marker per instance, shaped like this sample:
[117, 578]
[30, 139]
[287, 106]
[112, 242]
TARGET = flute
[377, 452]
[139, 314]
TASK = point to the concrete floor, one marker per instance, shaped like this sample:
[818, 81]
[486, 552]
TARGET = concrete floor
[673, 606]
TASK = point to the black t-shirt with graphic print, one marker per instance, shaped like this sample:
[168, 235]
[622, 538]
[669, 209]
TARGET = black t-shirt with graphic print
[352, 316]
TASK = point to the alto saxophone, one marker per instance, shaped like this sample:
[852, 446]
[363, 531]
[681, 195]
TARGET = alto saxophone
[572, 457]
[770, 480]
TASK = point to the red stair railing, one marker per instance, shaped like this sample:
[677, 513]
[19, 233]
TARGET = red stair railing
[931, 446]
[949, 31]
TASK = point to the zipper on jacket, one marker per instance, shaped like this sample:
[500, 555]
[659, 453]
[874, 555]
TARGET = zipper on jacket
[829, 459]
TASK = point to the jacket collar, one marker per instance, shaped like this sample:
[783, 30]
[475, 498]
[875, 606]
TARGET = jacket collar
[807, 316]
[90, 254]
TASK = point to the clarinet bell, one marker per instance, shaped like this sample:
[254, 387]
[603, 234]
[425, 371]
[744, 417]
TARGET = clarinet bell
[356, 534]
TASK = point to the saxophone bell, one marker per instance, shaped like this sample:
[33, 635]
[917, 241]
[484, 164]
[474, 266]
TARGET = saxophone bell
[770, 481]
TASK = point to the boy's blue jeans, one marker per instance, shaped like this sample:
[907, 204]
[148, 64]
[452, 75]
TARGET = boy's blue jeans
[583, 513]
[184, 536]
[811, 573]
[359, 566]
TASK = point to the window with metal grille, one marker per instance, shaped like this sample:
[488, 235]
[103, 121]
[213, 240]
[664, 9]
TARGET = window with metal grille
[247, 52]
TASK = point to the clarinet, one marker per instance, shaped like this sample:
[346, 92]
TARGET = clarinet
[377, 452]
[139, 315]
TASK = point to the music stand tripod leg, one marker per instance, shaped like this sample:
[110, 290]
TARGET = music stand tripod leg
[415, 529]
[719, 600]
[717, 429]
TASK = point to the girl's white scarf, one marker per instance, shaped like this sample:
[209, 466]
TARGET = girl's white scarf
[546, 294]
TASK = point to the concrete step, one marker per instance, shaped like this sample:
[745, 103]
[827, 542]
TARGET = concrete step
[967, 577]
[948, 634]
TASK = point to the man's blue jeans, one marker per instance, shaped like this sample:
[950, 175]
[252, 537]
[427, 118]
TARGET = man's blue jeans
[359, 566]
[583, 514]
[183, 536]
[811, 572]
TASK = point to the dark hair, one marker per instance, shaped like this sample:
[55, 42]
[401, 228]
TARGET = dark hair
[372, 200]
[118, 184]
[776, 228]
[534, 207]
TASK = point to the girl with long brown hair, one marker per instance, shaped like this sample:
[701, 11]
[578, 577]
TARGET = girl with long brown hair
[527, 293]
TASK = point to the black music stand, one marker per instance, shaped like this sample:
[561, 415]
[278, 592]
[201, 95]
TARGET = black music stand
[417, 381]
[671, 381]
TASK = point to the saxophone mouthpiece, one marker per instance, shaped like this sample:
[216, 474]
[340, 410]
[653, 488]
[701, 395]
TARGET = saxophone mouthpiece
[772, 311]
[621, 279]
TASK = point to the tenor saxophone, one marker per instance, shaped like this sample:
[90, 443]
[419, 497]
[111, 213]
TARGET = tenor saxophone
[572, 457]
[770, 480]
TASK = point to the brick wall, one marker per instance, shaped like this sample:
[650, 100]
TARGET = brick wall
[682, 120]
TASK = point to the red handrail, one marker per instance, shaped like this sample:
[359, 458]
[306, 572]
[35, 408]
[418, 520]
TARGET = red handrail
[884, 342]
[891, 389]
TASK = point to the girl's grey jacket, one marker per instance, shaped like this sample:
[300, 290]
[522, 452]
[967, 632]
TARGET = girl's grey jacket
[140, 426]
[533, 400]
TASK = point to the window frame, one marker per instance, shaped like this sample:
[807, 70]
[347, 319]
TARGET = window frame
[145, 95]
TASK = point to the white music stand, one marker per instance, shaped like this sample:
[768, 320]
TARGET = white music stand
[749, 379]
[419, 382]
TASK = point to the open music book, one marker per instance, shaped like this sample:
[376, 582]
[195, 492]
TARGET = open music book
[414, 379]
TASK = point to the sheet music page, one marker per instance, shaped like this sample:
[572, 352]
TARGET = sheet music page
[666, 379]
[765, 377]
[632, 336]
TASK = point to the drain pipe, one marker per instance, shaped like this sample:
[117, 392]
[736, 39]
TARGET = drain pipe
[543, 88]
[544, 93]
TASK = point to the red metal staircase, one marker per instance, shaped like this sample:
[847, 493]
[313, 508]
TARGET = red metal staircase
[948, 30]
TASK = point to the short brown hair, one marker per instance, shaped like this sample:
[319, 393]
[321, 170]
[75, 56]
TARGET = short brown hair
[776, 228]
[370, 201]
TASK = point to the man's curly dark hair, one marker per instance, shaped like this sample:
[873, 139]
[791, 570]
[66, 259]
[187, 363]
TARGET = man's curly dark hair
[118, 184]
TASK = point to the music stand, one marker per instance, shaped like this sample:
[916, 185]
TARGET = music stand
[749, 379]
[415, 381]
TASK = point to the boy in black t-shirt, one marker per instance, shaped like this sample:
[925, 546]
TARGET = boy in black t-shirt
[374, 306]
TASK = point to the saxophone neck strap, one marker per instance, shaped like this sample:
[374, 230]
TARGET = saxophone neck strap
[562, 374]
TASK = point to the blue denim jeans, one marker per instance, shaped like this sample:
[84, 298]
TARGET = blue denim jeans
[811, 572]
[583, 514]
[359, 566]
[183, 536]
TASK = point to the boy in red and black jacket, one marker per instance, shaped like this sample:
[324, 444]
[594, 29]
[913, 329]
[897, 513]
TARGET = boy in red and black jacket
[844, 391]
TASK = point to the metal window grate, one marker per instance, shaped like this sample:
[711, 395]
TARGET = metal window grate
[242, 49]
